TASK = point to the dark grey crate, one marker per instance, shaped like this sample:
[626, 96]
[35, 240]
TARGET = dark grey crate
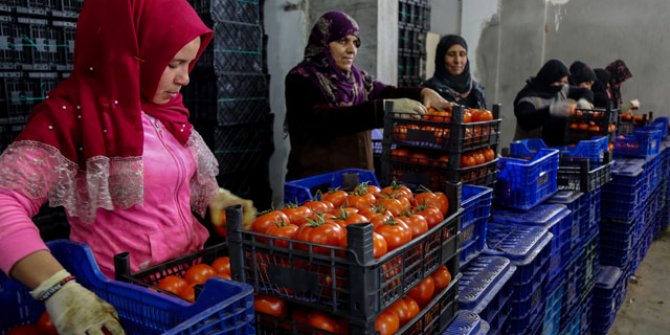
[249, 11]
[66, 8]
[65, 44]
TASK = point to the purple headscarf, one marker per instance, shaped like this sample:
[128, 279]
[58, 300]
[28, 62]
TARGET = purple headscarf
[339, 88]
[620, 73]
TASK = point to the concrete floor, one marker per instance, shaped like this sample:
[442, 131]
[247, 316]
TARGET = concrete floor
[646, 309]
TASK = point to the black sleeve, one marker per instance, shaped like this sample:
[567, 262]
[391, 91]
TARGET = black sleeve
[383, 91]
[528, 117]
[308, 114]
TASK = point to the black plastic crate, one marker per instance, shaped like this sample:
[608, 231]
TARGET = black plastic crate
[244, 136]
[446, 133]
[584, 124]
[430, 173]
[38, 40]
[43, 82]
[16, 95]
[433, 319]
[242, 85]
[66, 8]
[233, 111]
[580, 174]
[32, 7]
[248, 11]
[11, 47]
[238, 47]
[65, 44]
[347, 282]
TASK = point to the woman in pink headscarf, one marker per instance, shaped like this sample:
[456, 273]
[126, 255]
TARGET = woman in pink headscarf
[112, 145]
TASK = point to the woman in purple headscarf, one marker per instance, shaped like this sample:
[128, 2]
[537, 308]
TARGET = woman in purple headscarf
[619, 73]
[331, 105]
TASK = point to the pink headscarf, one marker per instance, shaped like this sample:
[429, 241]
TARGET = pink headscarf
[91, 124]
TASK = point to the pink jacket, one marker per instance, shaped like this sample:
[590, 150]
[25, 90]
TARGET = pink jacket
[160, 229]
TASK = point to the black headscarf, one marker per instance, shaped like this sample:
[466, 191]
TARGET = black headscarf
[540, 85]
[461, 83]
[619, 73]
[581, 72]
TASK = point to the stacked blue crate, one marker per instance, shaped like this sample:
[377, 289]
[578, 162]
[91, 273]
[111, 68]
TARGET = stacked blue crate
[556, 219]
[476, 205]
[467, 323]
[577, 203]
[528, 248]
[486, 288]
[608, 295]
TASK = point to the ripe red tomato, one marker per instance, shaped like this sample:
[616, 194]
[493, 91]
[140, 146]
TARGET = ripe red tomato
[286, 230]
[270, 305]
[424, 292]
[319, 206]
[172, 284]
[335, 197]
[323, 321]
[45, 325]
[199, 273]
[360, 201]
[406, 309]
[395, 232]
[489, 154]
[396, 190]
[379, 245]
[322, 233]
[442, 278]
[400, 154]
[297, 215]
[387, 323]
[417, 224]
[394, 206]
[221, 228]
[188, 293]
[432, 214]
[467, 160]
[261, 224]
[221, 265]
[479, 157]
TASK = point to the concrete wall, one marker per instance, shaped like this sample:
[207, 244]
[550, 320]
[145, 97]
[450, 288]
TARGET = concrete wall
[288, 24]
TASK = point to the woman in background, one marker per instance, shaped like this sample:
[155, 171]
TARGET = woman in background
[452, 78]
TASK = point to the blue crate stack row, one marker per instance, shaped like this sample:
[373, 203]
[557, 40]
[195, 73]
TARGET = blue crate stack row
[551, 290]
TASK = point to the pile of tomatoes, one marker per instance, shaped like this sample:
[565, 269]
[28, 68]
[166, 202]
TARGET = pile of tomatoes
[43, 326]
[197, 274]
[638, 120]
[397, 214]
[401, 312]
[588, 123]
[435, 126]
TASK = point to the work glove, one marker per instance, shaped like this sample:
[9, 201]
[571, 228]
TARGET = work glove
[76, 310]
[225, 199]
[561, 109]
[629, 105]
[584, 104]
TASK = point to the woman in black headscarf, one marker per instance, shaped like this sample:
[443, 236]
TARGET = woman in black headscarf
[600, 88]
[452, 74]
[542, 105]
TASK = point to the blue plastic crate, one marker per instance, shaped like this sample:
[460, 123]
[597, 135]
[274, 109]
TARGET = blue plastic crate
[574, 275]
[525, 246]
[644, 142]
[528, 249]
[301, 190]
[593, 149]
[616, 242]
[476, 202]
[585, 317]
[522, 184]
[486, 289]
[661, 123]
[590, 266]
[556, 219]
[574, 327]
[467, 323]
[608, 295]
[552, 310]
[594, 208]
[223, 307]
[577, 203]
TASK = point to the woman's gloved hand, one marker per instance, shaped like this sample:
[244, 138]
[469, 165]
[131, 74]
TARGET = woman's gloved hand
[434, 99]
[584, 104]
[226, 199]
[407, 106]
[76, 310]
[562, 109]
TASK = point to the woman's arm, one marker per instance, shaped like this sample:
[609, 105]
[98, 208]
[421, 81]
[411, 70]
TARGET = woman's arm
[308, 113]
[528, 117]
